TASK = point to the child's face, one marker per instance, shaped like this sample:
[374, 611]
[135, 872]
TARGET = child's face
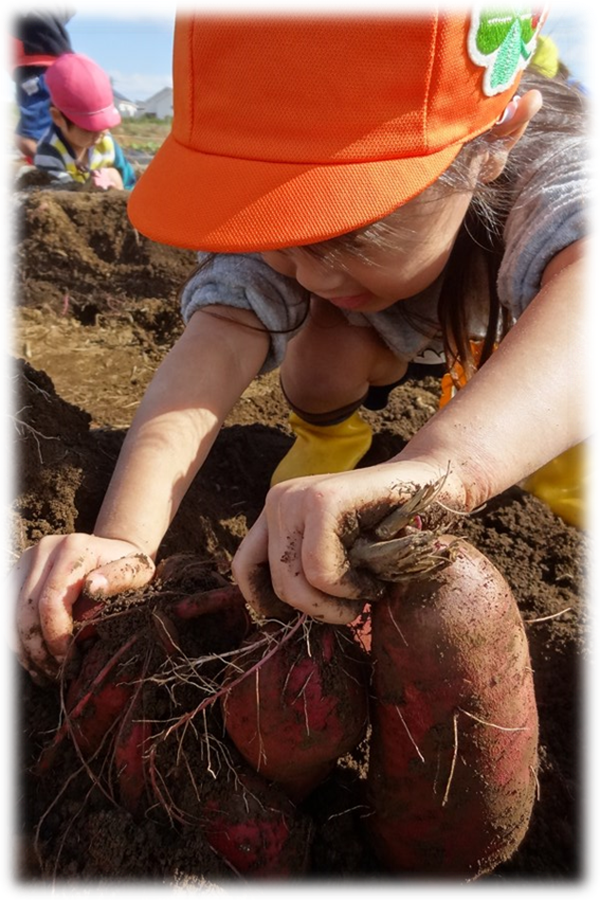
[391, 274]
[79, 138]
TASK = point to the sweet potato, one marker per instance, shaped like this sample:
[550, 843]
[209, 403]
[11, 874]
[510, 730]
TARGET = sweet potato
[300, 708]
[226, 602]
[256, 829]
[98, 696]
[132, 740]
[94, 701]
[452, 774]
[111, 666]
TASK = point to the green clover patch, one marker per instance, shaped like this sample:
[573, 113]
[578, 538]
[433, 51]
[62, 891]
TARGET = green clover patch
[503, 42]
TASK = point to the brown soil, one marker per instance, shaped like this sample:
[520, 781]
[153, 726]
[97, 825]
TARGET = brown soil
[95, 311]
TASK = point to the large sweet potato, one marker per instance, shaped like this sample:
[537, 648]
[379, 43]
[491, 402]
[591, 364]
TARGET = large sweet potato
[300, 709]
[452, 774]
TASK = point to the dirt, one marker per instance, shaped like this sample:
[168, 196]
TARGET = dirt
[95, 310]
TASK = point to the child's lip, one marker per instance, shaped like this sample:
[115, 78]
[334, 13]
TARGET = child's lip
[349, 302]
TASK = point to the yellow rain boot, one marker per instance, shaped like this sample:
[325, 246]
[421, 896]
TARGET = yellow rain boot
[319, 449]
[562, 484]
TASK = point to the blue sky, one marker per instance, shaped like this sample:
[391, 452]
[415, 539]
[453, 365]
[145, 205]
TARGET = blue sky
[132, 40]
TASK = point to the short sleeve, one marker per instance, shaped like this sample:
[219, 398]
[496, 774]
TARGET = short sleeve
[548, 214]
[244, 281]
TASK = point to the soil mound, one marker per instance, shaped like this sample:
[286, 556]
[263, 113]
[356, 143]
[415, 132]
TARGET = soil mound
[77, 246]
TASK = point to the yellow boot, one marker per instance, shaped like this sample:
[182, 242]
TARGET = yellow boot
[319, 449]
[562, 483]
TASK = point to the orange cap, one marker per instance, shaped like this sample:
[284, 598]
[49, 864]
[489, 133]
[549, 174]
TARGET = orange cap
[290, 130]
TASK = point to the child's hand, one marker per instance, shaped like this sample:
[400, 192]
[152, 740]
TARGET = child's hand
[107, 178]
[307, 526]
[49, 578]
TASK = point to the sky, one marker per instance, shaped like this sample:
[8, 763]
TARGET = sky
[132, 40]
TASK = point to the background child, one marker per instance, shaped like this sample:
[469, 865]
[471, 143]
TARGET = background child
[416, 203]
[78, 147]
[38, 39]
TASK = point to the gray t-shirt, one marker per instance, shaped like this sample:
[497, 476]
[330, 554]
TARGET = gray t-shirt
[548, 213]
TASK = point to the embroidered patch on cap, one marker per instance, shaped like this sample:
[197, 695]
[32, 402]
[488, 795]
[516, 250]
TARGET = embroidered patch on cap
[503, 42]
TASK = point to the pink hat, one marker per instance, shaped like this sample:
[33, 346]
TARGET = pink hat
[81, 90]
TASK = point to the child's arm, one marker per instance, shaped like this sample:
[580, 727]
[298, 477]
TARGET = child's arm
[124, 167]
[523, 408]
[172, 432]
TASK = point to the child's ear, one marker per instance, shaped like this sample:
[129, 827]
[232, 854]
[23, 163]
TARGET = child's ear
[508, 131]
[56, 116]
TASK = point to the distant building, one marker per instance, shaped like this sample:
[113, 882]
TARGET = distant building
[127, 108]
[160, 105]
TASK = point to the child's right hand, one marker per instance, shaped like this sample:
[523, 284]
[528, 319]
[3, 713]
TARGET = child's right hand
[48, 579]
[107, 178]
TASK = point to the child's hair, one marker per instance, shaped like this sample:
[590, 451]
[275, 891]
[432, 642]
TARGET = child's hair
[480, 239]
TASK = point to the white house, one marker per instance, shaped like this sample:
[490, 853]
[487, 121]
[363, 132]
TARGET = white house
[160, 105]
[127, 108]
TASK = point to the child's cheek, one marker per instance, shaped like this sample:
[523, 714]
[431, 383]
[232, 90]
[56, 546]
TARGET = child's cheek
[279, 263]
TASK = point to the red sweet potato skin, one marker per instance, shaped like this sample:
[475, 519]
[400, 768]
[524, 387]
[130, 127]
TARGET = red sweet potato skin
[452, 774]
[132, 741]
[256, 828]
[107, 697]
[297, 713]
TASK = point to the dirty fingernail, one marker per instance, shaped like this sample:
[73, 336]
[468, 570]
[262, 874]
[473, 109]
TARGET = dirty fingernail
[96, 584]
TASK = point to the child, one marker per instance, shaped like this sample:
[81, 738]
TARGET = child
[293, 267]
[367, 193]
[78, 147]
[38, 39]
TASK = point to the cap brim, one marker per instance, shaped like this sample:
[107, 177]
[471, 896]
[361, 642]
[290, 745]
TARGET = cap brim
[199, 201]
[108, 118]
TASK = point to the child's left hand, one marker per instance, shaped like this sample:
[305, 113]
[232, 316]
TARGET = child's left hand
[307, 526]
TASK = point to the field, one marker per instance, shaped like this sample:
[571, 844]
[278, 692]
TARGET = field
[95, 310]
